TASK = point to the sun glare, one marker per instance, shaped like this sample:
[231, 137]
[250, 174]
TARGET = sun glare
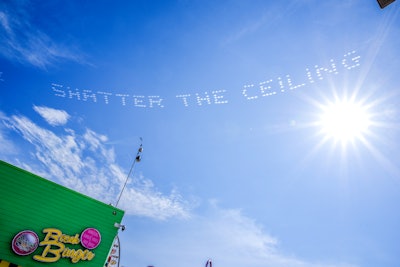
[344, 121]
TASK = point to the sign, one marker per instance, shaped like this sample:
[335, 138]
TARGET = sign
[114, 255]
[25, 242]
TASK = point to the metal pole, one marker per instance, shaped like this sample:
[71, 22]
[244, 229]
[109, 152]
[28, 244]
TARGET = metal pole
[137, 159]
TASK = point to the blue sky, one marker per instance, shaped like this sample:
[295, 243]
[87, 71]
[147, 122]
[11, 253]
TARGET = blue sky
[239, 165]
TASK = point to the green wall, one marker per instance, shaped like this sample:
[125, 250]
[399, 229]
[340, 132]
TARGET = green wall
[30, 202]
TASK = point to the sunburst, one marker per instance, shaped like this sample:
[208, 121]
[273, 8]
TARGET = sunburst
[345, 120]
[353, 124]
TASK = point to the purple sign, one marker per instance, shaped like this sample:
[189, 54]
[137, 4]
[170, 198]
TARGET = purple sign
[90, 238]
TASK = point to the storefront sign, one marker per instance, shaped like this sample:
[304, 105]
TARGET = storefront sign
[57, 245]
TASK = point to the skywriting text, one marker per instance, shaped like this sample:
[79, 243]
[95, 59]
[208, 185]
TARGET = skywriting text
[250, 91]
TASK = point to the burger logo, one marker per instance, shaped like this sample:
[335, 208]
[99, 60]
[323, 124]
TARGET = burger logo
[25, 242]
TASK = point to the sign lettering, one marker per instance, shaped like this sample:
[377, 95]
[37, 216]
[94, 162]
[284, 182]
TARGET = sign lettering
[55, 241]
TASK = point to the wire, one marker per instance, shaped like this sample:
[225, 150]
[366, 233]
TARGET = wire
[137, 159]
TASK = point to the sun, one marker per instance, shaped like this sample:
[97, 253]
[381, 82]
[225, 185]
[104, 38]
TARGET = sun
[349, 127]
[344, 120]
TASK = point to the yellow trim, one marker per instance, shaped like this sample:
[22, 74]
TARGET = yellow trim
[4, 263]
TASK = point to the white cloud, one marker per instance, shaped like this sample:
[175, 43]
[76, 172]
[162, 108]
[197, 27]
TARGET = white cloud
[21, 41]
[86, 164]
[226, 236]
[144, 200]
[6, 145]
[54, 117]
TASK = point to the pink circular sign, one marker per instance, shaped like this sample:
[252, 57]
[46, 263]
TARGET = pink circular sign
[25, 242]
[90, 238]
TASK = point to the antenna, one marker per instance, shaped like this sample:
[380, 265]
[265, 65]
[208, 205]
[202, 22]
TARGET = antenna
[138, 158]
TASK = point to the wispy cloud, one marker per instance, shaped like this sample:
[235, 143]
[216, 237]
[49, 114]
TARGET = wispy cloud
[227, 236]
[21, 41]
[265, 19]
[143, 199]
[6, 145]
[84, 162]
[54, 117]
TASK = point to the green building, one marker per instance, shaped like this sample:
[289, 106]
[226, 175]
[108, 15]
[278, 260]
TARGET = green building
[45, 224]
